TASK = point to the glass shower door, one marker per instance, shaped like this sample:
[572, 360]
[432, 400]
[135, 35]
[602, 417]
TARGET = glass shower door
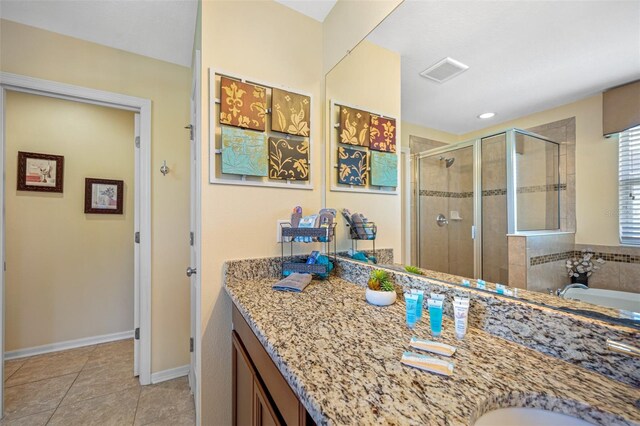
[445, 211]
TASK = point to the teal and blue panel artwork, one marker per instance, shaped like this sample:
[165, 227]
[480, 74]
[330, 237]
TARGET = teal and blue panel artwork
[384, 169]
[353, 167]
[244, 152]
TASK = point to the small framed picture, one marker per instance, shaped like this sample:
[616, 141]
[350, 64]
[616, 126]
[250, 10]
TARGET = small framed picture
[40, 172]
[103, 196]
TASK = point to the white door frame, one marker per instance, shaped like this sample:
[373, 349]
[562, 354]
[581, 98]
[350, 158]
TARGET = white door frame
[19, 83]
[195, 159]
[407, 167]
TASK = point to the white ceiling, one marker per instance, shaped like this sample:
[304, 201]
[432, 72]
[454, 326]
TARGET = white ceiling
[523, 56]
[160, 29]
[316, 9]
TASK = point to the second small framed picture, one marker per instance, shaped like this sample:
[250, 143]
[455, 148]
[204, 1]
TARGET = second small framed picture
[103, 196]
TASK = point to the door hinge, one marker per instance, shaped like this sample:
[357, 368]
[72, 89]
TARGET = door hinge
[190, 127]
[191, 238]
[136, 237]
[191, 344]
[137, 141]
[137, 334]
[473, 232]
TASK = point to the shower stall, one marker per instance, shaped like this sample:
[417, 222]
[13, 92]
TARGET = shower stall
[471, 195]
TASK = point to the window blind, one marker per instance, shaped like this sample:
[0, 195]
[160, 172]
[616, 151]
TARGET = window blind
[629, 186]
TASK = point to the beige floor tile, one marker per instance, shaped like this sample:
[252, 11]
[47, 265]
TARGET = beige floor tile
[100, 381]
[12, 366]
[164, 400]
[111, 353]
[39, 419]
[36, 397]
[116, 409]
[50, 365]
[183, 419]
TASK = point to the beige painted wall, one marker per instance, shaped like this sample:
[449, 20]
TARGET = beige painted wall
[42, 54]
[596, 168]
[69, 275]
[277, 45]
[348, 23]
[369, 78]
[410, 129]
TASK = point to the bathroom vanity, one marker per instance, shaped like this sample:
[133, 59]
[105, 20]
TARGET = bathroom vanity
[326, 356]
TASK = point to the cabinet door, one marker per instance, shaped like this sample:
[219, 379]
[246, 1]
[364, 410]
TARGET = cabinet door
[264, 413]
[242, 386]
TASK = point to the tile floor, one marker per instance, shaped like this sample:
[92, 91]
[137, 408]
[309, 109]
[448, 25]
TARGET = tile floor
[93, 385]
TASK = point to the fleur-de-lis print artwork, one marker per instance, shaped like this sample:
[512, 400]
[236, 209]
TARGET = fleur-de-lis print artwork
[382, 134]
[352, 166]
[288, 159]
[384, 169]
[354, 126]
[290, 113]
[242, 105]
[244, 152]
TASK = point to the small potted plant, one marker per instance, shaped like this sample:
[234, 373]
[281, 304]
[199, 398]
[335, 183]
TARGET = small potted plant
[581, 268]
[380, 290]
[413, 270]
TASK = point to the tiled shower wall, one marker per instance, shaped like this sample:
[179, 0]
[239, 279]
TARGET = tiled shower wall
[447, 191]
[564, 132]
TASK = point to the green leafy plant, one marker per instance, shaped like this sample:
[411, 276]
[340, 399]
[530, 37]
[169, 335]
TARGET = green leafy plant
[379, 281]
[413, 270]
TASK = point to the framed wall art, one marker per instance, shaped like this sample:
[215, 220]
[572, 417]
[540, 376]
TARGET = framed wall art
[267, 147]
[40, 172]
[103, 196]
[363, 152]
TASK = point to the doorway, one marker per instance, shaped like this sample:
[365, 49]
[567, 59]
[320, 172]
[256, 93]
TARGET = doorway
[142, 203]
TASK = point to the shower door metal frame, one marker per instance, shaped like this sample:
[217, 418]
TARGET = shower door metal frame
[476, 231]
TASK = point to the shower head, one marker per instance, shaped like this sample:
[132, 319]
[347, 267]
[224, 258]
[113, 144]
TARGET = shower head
[448, 162]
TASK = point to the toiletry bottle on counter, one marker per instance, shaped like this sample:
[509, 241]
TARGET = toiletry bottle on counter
[435, 316]
[420, 294]
[461, 315]
[411, 301]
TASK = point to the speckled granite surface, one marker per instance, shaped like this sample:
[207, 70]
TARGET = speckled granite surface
[573, 338]
[341, 356]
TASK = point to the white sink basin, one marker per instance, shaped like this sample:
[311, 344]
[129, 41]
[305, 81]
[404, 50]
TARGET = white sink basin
[517, 416]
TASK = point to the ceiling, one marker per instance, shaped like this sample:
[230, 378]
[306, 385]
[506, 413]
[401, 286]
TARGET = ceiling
[523, 56]
[160, 29]
[316, 9]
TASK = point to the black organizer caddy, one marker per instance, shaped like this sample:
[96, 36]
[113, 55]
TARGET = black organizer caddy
[325, 235]
[365, 231]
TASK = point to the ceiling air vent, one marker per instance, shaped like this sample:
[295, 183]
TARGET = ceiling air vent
[444, 70]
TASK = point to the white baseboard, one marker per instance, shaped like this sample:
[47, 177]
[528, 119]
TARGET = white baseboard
[172, 373]
[69, 344]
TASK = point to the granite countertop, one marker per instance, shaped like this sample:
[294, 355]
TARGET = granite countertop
[342, 358]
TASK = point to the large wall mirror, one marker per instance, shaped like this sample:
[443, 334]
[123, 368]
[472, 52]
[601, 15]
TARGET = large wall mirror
[503, 173]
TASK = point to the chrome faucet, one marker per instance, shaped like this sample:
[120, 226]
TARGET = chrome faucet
[561, 291]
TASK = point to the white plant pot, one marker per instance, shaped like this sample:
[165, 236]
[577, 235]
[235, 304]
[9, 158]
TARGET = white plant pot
[380, 298]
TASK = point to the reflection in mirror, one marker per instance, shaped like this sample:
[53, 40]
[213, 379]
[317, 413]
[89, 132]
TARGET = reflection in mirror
[511, 198]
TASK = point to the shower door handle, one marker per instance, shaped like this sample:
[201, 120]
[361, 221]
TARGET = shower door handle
[473, 232]
[441, 220]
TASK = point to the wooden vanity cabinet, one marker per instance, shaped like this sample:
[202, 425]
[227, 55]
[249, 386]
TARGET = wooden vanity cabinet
[261, 395]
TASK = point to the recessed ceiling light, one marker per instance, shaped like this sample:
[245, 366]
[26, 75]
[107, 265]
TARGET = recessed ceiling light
[486, 115]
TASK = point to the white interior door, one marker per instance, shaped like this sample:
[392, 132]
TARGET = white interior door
[195, 172]
[136, 249]
[2, 92]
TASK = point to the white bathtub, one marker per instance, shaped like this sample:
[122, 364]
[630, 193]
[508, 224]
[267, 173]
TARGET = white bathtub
[609, 298]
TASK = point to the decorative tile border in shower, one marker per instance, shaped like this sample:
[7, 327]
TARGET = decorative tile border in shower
[445, 194]
[607, 257]
[491, 192]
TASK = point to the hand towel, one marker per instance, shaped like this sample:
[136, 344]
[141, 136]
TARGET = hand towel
[295, 282]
